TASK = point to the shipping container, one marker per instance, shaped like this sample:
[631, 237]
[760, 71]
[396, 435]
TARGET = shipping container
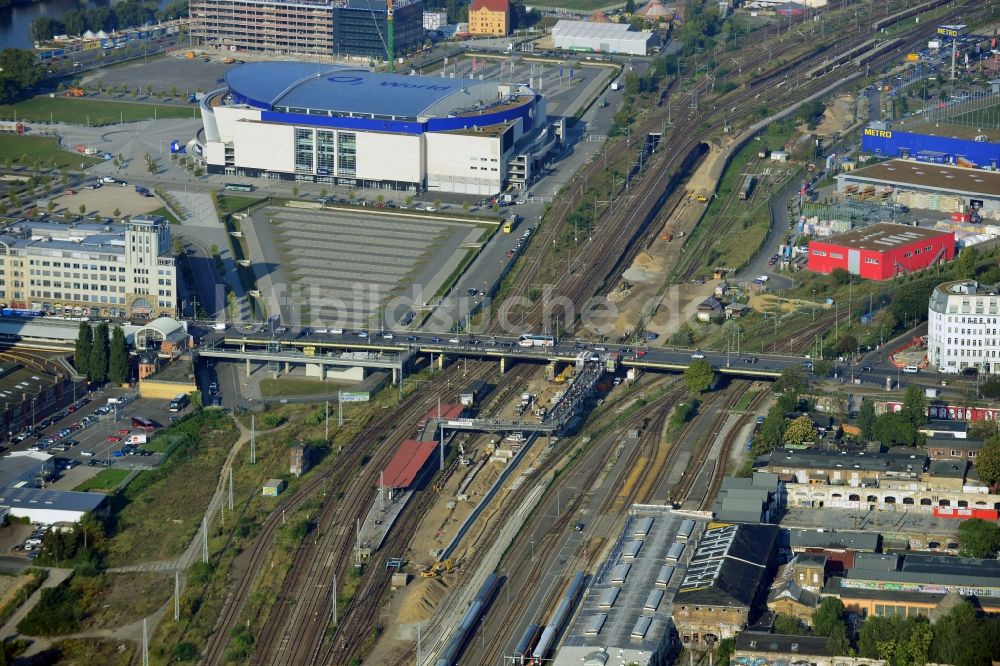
[964, 513]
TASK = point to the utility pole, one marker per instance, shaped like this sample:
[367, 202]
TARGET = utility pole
[334, 599]
[204, 540]
[230, 488]
[253, 439]
[145, 643]
[440, 439]
[177, 596]
[327, 420]
[340, 409]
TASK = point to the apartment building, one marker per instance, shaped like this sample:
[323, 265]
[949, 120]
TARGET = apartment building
[313, 27]
[92, 270]
[489, 17]
[963, 327]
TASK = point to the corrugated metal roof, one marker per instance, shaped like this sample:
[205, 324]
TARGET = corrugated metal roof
[410, 458]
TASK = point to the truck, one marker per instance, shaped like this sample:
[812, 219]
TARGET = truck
[616, 85]
[196, 97]
[219, 326]
[137, 439]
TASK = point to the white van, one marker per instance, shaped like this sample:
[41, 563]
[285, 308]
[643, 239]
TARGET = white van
[336, 331]
[912, 369]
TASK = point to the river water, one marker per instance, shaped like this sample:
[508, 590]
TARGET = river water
[15, 21]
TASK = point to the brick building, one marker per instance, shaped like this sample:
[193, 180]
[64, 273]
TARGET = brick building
[725, 586]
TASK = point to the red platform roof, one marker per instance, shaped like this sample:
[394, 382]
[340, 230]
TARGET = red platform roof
[448, 411]
[410, 458]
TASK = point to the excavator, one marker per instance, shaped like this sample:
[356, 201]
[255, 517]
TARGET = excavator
[436, 569]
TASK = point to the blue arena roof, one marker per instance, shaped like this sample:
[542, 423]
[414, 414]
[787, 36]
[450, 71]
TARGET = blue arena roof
[301, 87]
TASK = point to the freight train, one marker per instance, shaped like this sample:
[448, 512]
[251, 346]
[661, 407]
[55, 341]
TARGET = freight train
[467, 625]
[537, 641]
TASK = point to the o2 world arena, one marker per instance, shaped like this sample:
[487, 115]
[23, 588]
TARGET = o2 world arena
[348, 126]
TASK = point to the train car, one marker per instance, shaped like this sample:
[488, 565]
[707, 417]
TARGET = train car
[747, 190]
[547, 640]
[473, 393]
[522, 653]
[467, 625]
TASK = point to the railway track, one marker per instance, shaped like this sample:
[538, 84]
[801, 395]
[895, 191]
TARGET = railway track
[719, 472]
[297, 623]
[214, 652]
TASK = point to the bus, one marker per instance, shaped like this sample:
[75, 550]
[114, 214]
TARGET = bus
[179, 402]
[509, 223]
[536, 341]
[142, 424]
[239, 187]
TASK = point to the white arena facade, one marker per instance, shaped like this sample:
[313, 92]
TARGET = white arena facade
[350, 126]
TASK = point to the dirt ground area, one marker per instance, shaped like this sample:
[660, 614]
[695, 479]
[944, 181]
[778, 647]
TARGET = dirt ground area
[767, 303]
[676, 304]
[9, 585]
[105, 200]
[839, 115]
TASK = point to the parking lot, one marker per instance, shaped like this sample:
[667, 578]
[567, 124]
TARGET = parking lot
[83, 436]
[345, 268]
[105, 200]
[174, 71]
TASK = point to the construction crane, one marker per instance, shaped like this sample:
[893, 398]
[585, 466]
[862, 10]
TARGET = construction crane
[390, 44]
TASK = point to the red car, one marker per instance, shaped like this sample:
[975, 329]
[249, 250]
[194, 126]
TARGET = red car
[123, 431]
[114, 439]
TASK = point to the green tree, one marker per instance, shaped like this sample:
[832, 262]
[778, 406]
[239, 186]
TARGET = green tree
[19, 71]
[866, 419]
[894, 428]
[828, 617]
[629, 6]
[966, 263]
[789, 625]
[81, 350]
[792, 381]
[117, 212]
[800, 430]
[958, 638]
[875, 631]
[698, 376]
[99, 352]
[988, 462]
[118, 360]
[915, 406]
[991, 388]
[917, 646]
[771, 434]
[979, 538]
[984, 430]
[83, 209]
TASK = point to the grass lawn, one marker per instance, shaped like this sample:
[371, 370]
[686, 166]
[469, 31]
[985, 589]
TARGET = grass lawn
[24, 150]
[162, 210]
[744, 400]
[578, 5]
[87, 651]
[288, 387]
[159, 512]
[230, 203]
[43, 109]
[106, 479]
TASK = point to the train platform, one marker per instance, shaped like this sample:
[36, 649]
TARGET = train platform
[384, 511]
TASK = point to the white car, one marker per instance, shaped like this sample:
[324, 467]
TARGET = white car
[108, 179]
[697, 354]
[455, 341]
[387, 336]
[87, 454]
[763, 278]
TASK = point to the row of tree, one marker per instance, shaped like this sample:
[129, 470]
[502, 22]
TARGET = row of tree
[120, 16]
[101, 357]
[962, 637]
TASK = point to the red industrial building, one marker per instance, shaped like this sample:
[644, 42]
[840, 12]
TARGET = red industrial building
[882, 251]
